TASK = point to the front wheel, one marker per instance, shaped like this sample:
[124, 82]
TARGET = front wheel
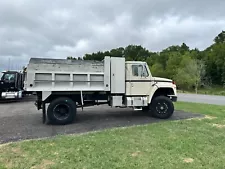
[162, 107]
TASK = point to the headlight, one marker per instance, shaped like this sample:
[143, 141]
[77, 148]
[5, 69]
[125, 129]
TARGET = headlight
[3, 95]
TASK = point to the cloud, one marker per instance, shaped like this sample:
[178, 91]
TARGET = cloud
[72, 28]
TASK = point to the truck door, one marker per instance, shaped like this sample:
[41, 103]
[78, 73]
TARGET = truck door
[138, 80]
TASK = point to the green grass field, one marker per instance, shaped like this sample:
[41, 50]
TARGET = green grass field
[214, 90]
[194, 143]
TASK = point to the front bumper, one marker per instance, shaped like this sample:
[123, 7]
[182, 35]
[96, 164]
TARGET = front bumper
[173, 98]
[11, 95]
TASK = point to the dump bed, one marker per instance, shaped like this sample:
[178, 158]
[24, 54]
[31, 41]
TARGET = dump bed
[76, 75]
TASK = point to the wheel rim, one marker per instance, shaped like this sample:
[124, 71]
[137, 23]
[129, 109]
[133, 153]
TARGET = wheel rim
[161, 108]
[61, 111]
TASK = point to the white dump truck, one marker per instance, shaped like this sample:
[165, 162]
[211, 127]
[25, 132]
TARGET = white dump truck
[64, 85]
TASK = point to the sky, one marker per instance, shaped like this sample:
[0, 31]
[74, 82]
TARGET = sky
[57, 29]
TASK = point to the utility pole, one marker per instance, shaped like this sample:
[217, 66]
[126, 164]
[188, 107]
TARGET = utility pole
[9, 65]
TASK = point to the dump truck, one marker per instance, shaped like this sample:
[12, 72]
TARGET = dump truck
[64, 85]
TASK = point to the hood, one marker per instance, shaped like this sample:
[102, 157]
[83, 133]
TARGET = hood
[160, 79]
[4, 85]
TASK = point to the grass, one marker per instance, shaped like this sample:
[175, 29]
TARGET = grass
[206, 109]
[214, 90]
[193, 143]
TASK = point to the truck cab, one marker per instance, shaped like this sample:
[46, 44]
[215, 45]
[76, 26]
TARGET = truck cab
[11, 85]
[148, 93]
[140, 82]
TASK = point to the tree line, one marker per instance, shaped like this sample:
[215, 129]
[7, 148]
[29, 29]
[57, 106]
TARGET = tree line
[190, 68]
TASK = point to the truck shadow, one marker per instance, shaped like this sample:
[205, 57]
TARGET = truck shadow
[24, 99]
[124, 117]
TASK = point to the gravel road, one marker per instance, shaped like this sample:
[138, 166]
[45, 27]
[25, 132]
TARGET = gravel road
[201, 98]
[21, 120]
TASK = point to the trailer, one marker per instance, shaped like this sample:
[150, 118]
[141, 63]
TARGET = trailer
[64, 85]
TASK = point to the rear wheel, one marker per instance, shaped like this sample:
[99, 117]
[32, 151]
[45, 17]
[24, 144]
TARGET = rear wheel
[161, 107]
[61, 111]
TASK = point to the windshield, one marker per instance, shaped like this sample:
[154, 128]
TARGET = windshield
[8, 77]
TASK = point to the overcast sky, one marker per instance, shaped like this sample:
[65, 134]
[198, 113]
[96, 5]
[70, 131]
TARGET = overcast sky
[61, 28]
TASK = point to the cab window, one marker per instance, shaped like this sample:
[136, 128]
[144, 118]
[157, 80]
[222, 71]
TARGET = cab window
[139, 70]
[145, 71]
[136, 70]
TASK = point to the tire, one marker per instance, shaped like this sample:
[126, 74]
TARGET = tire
[61, 111]
[162, 107]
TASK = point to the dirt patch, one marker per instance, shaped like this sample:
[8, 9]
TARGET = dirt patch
[44, 164]
[209, 117]
[3, 145]
[202, 118]
[17, 150]
[196, 118]
[12, 152]
[219, 125]
[188, 160]
[135, 153]
[8, 164]
[56, 153]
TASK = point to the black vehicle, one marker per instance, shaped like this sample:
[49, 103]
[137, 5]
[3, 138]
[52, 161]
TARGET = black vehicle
[11, 85]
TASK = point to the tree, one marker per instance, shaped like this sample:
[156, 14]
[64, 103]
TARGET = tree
[182, 76]
[74, 58]
[71, 58]
[157, 70]
[118, 52]
[190, 73]
[184, 48]
[172, 64]
[136, 52]
[197, 69]
[183, 79]
[220, 38]
[95, 56]
[214, 57]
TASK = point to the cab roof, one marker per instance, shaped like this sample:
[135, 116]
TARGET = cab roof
[136, 62]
